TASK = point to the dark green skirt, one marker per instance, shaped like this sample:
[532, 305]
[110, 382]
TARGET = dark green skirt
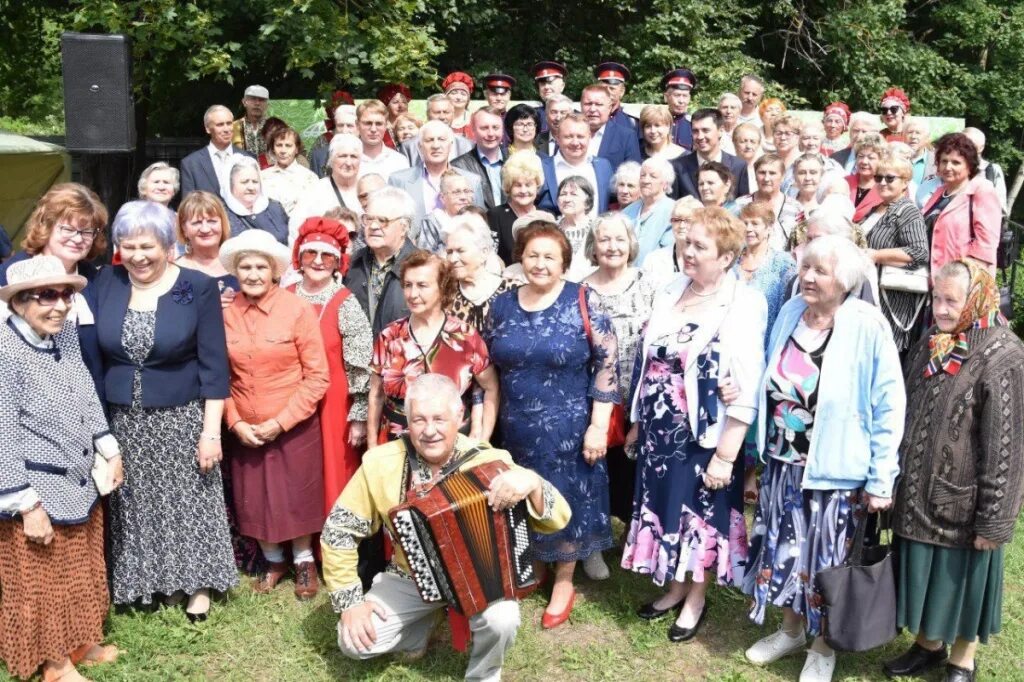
[946, 593]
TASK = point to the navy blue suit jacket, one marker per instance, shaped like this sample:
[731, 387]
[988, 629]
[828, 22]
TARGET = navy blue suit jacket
[86, 332]
[547, 197]
[189, 359]
[197, 172]
[619, 144]
[686, 169]
[682, 133]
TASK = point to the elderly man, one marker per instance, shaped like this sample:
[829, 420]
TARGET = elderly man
[209, 168]
[678, 86]
[456, 194]
[344, 123]
[556, 108]
[338, 189]
[572, 158]
[549, 77]
[373, 273]
[615, 142]
[860, 122]
[439, 108]
[992, 171]
[371, 124]
[367, 185]
[392, 617]
[247, 132]
[615, 76]
[423, 180]
[729, 105]
[751, 94]
[498, 90]
[486, 159]
[706, 125]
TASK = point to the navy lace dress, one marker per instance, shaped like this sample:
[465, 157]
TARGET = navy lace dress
[551, 370]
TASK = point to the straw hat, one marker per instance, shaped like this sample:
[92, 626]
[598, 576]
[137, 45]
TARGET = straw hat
[38, 272]
[254, 240]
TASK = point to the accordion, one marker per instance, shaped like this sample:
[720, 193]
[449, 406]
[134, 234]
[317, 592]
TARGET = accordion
[461, 551]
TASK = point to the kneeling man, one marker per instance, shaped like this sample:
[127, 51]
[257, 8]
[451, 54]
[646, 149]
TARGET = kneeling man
[392, 617]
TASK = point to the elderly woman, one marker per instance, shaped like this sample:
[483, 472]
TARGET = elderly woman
[405, 127]
[688, 501]
[894, 106]
[771, 109]
[319, 255]
[625, 293]
[522, 124]
[626, 184]
[650, 214]
[746, 138]
[833, 218]
[69, 222]
[286, 180]
[729, 106]
[279, 373]
[54, 597]
[962, 472]
[665, 264]
[552, 333]
[203, 226]
[808, 171]
[897, 238]
[159, 182]
[823, 467]
[396, 97]
[656, 133]
[248, 207]
[786, 136]
[469, 248]
[917, 135]
[963, 216]
[456, 193]
[770, 172]
[168, 527]
[714, 184]
[522, 175]
[764, 268]
[344, 122]
[429, 341]
[339, 188]
[868, 151]
[836, 120]
[576, 201]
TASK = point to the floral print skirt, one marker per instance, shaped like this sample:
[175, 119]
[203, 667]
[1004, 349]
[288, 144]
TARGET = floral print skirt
[796, 533]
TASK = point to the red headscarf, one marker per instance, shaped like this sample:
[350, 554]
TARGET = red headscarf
[388, 92]
[339, 97]
[898, 96]
[326, 235]
[457, 77]
[840, 109]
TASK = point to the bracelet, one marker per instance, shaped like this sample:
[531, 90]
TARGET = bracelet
[723, 460]
[37, 505]
[209, 436]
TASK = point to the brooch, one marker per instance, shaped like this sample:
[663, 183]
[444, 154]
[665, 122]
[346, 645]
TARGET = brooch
[182, 293]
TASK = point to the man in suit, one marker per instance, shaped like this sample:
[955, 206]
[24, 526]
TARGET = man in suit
[678, 86]
[550, 80]
[439, 108]
[556, 108]
[423, 180]
[572, 159]
[208, 168]
[615, 76]
[707, 135]
[616, 142]
[498, 90]
[486, 159]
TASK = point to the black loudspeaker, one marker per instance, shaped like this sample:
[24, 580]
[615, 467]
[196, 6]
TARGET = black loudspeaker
[99, 112]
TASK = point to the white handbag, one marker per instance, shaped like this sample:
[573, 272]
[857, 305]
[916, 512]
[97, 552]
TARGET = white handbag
[102, 475]
[915, 281]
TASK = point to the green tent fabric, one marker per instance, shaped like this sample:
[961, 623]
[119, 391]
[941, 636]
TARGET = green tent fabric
[28, 168]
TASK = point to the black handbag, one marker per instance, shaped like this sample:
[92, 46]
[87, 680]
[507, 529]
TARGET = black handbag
[860, 596]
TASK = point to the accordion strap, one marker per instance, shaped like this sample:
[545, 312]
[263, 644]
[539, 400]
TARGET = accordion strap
[448, 469]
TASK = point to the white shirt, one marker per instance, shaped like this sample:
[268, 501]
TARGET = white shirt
[754, 119]
[595, 143]
[223, 160]
[563, 170]
[316, 201]
[287, 185]
[384, 164]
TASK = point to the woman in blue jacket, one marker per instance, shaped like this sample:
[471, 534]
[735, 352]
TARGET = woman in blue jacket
[830, 419]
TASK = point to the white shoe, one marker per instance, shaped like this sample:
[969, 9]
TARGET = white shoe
[775, 646]
[817, 667]
[595, 567]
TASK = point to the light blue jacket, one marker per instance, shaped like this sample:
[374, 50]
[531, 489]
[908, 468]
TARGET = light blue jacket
[654, 232]
[858, 422]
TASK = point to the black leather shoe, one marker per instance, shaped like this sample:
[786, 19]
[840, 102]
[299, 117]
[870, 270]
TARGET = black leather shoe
[650, 612]
[678, 634]
[196, 617]
[955, 673]
[915, 661]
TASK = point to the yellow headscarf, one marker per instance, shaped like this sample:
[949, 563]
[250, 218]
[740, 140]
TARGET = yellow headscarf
[981, 310]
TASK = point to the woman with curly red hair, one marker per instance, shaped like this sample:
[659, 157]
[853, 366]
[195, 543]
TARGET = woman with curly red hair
[396, 97]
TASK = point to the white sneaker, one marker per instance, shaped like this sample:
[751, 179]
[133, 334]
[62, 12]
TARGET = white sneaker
[775, 646]
[817, 667]
[595, 567]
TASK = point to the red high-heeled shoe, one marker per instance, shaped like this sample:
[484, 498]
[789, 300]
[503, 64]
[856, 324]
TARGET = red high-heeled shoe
[553, 620]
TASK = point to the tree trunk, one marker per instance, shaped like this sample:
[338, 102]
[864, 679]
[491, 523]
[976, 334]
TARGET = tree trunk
[1018, 182]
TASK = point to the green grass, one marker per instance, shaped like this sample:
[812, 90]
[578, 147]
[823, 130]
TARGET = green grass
[253, 637]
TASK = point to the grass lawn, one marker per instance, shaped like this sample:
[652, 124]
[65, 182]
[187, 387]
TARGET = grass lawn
[251, 637]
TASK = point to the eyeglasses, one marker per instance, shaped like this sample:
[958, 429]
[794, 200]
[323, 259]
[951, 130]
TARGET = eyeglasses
[309, 257]
[887, 179]
[367, 220]
[49, 297]
[680, 221]
[893, 110]
[524, 124]
[68, 231]
[467, 192]
[784, 133]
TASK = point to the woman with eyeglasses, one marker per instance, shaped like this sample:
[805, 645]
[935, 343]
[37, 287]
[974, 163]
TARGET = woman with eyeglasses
[69, 223]
[666, 263]
[522, 124]
[319, 254]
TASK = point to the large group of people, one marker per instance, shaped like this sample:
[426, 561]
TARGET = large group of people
[291, 344]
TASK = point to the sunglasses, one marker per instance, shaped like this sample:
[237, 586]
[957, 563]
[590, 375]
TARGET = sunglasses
[887, 179]
[309, 257]
[891, 110]
[49, 297]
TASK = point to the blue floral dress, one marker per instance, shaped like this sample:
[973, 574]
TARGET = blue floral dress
[770, 279]
[796, 533]
[551, 370]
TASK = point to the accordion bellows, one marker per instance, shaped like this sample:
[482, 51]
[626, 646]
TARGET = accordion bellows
[460, 551]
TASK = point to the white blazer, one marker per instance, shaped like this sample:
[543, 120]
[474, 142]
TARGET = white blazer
[740, 318]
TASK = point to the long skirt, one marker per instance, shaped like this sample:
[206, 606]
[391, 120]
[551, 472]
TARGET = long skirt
[796, 533]
[279, 487]
[54, 598]
[949, 592]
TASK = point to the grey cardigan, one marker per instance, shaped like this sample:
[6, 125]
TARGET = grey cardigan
[50, 422]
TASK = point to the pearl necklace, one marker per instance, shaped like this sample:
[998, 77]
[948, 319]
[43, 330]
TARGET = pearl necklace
[142, 287]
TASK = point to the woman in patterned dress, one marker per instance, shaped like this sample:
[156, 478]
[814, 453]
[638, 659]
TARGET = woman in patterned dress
[559, 381]
[166, 375]
[429, 341]
[687, 527]
[469, 247]
[576, 202]
[830, 416]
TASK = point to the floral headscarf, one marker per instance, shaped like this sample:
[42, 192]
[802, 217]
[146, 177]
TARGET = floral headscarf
[981, 311]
